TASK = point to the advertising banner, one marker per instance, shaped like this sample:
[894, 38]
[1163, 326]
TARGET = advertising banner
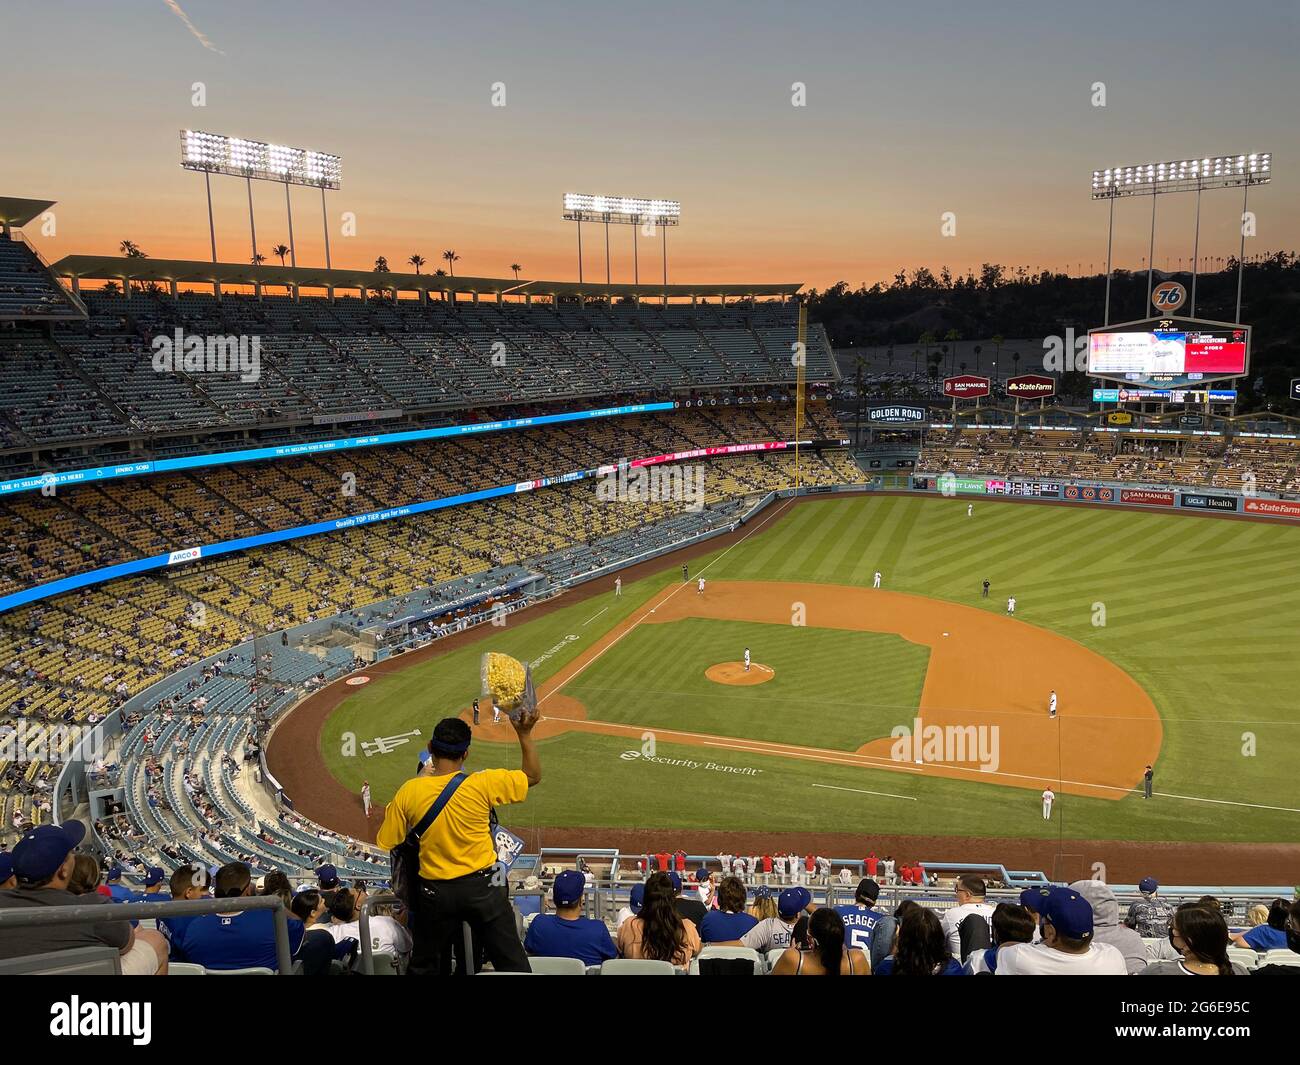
[1201, 501]
[965, 386]
[1281, 508]
[1146, 497]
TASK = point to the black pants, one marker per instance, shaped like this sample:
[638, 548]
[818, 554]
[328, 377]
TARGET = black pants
[442, 907]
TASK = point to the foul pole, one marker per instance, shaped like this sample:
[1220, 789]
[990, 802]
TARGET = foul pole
[800, 358]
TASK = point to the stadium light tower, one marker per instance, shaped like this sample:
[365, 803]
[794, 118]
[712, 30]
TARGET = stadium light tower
[215, 153]
[1182, 175]
[581, 207]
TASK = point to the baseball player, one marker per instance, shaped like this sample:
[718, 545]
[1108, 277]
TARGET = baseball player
[876, 582]
[985, 593]
[1049, 796]
[365, 796]
[686, 573]
[1051, 705]
[618, 587]
[699, 588]
[496, 712]
[970, 510]
[746, 659]
[1011, 605]
[476, 711]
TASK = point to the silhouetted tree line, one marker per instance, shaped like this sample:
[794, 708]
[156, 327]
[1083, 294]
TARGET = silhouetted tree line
[921, 305]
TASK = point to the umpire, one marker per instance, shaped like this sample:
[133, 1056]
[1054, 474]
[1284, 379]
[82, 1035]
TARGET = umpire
[457, 855]
[1146, 783]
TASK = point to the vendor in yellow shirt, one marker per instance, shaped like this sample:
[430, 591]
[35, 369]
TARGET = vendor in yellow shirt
[457, 856]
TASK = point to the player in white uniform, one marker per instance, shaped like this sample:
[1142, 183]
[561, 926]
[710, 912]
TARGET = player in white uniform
[970, 510]
[365, 796]
[876, 582]
[496, 712]
[618, 587]
[746, 659]
[1011, 604]
[1049, 796]
[1051, 705]
[699, 590]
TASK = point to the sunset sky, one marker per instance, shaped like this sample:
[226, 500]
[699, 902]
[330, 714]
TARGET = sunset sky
[913, 109]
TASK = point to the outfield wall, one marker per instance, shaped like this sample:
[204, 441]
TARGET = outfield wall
[1218, 501]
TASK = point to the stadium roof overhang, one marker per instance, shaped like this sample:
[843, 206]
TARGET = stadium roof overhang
[187, 271]
[17, 211]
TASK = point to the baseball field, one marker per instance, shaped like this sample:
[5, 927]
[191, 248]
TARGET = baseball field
[1170, 640]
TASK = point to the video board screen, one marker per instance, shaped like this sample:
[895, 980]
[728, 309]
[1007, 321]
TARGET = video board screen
[1169, 352]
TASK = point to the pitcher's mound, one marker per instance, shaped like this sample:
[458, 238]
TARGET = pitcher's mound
[734, 673]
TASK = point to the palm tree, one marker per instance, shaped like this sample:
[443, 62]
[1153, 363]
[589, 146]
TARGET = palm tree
[952, 336]
[417, 261]
[381, 265]
[258, 259]
[110, 288]
[516, 268]
[131, 250]
[281, 250]
[452, 259]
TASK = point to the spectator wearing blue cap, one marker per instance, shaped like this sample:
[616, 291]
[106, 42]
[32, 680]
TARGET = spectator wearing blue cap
[237, 939]
[43, 863]
[566, 933]
[729, 922]
[635, 898]
[1149, 916]
[116, 889]
[7, 878]
[777, 932]
[1067, 947]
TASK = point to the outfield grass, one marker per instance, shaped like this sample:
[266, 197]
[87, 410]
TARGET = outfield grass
[1204, 613]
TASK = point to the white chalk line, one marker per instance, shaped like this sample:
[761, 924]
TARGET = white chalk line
[863, 791]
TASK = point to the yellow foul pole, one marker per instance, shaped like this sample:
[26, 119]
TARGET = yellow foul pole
[800, 358]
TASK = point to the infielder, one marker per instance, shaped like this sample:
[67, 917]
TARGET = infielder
[496, 712]
[699, 588]
[1049, 797]
[746, 659]
[618, 587]
[365, 796]
[1051, 705]
[1011, 605]
[876, 582]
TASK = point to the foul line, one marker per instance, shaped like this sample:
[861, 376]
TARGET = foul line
[861, 791]
[594, 616]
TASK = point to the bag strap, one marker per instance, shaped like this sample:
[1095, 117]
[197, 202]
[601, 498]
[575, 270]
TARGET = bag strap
[432, 813]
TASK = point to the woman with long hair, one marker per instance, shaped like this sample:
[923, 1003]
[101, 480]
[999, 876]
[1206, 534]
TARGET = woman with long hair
[825, 954]
[1200, 935]
[764, 904]
[659, 932]
[729, 921]
[922, 948]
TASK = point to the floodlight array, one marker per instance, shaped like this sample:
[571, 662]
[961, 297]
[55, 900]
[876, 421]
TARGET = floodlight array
[237, 157]
[629, 210]
[1183, 175]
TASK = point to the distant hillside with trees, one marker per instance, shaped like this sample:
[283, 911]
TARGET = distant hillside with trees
[922, 307]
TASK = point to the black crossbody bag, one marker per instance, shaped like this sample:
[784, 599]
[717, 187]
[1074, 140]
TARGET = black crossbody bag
[404, 859]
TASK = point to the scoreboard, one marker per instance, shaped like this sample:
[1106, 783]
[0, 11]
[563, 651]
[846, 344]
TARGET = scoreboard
[1169, 352]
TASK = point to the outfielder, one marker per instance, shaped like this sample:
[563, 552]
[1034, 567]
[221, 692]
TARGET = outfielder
[970, 510]
[1051, 705]
[746, 659]
[365, 796]
[876, 582]
[1049, 797]
[618, 587]
[1011, 605]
